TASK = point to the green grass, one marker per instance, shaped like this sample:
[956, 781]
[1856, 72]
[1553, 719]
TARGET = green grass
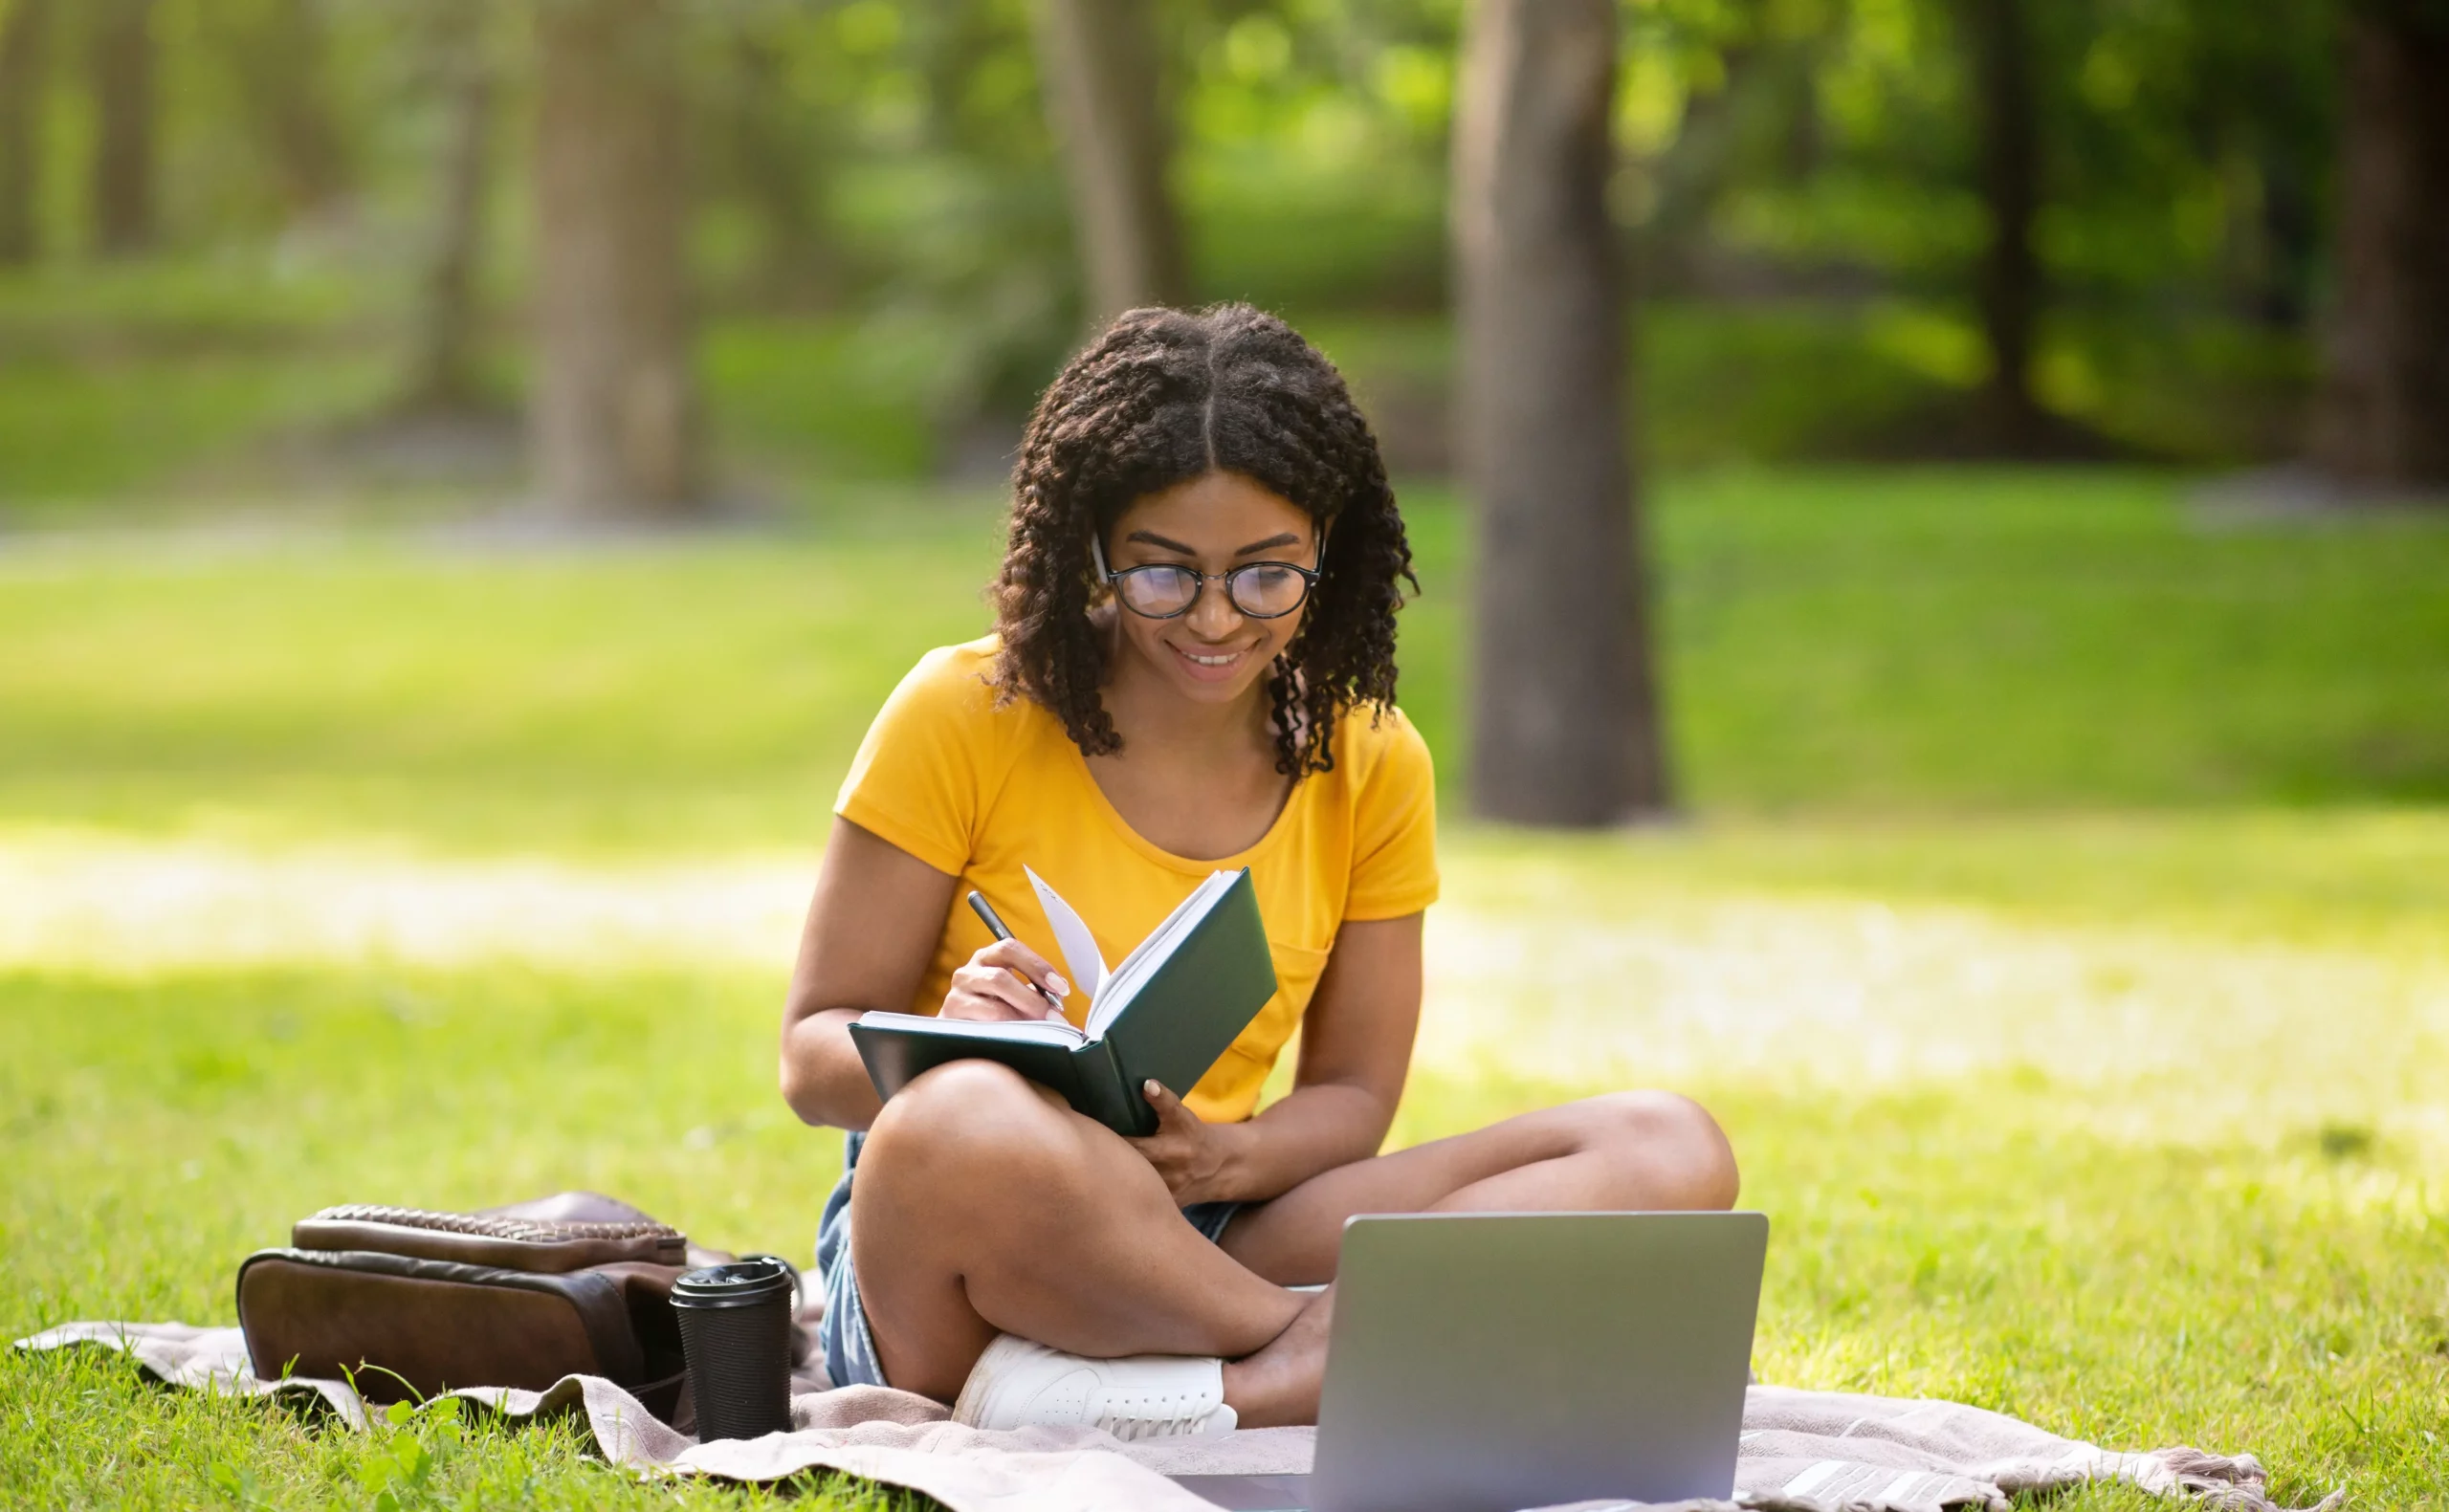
[2057, 937]
[1851, 642]
[1977, 1242]
[1990, 638]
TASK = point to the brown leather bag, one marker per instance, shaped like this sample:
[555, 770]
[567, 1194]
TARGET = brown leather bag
[406, 1303]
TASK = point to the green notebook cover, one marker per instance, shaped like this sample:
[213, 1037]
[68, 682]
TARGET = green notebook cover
[1182, 1011]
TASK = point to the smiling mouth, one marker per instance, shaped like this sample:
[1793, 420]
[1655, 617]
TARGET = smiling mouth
[1209, 665]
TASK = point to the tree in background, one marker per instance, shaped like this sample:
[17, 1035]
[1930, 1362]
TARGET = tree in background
[1104, 96]
[992, 266]
[766, 134]
[25, 46]
[2008, 284]
[2384, 413]
[614, 406]
[442, 377]
[1811, 183]
[120, 52]
[1565, 718]
[279, 54]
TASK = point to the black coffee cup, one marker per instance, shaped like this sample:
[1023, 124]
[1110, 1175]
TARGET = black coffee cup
[736, 1330]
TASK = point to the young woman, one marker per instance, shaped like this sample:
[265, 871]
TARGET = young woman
[1193, 668]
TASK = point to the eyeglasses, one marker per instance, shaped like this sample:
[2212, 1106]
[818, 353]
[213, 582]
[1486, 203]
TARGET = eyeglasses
[1262, 590]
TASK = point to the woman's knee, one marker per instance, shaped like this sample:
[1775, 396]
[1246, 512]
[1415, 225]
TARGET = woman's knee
[963, 1122]
[1668, 1143]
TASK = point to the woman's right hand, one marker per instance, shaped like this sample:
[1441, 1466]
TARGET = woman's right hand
[988, 989]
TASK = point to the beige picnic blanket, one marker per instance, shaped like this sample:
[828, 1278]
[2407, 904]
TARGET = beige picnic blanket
[1801, 1451]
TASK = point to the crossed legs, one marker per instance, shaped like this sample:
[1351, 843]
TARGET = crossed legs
[985, 1205]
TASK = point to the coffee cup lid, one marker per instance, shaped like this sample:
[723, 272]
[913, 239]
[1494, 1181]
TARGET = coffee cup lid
[741, 1283]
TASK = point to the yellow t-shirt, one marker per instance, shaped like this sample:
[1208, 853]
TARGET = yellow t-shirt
[979, 791]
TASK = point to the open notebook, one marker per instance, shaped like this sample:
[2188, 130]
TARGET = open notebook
[1165, 1012]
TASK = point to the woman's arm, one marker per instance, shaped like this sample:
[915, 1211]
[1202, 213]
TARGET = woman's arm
[870, 931]
[1356, 1050]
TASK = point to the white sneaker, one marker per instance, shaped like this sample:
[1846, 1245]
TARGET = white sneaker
[1017, 1384]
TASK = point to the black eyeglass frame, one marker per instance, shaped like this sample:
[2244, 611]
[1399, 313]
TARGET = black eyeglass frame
[1112, 578]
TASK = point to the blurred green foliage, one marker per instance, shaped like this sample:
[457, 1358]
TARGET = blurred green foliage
[143, 388]
[883, 251]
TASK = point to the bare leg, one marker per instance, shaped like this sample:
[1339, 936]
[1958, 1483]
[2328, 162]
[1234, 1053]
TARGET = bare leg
[1629, 1150]
[985, 1205]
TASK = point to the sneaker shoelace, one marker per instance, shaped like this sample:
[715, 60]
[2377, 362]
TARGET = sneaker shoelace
[1140, 1417]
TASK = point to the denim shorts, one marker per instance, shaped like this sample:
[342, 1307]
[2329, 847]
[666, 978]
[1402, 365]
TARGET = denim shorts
[849, 1349]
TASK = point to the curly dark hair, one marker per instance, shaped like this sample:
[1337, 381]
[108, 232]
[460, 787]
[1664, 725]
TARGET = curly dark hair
[1164, 397]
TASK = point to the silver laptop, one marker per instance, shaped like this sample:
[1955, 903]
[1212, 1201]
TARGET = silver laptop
[1488, 1362]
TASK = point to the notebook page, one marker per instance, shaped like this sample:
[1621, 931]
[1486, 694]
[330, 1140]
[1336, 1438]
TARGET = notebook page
[1047, 1031]
[1082, 962]
[1148, 953]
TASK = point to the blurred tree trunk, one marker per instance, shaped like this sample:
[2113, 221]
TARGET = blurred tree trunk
[442, 357]
[25, 49]
[123, 60]
[614, 406]
[1104, 97]
[1565, 720]
[2384, 413]
[2010, 286]
[768, 131]
[2291, 237]
[281, 62]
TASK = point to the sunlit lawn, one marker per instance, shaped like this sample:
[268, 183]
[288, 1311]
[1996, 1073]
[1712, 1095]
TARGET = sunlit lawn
[2061, 938]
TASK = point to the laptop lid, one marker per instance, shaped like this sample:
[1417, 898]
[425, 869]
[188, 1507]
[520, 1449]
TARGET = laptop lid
[1487, 1362]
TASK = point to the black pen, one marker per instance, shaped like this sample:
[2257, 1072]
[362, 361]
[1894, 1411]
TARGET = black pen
[979, 906]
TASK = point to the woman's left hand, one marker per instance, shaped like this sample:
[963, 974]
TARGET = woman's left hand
[1192, 1155]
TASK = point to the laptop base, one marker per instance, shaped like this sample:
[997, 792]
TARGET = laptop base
[1250, 1493]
